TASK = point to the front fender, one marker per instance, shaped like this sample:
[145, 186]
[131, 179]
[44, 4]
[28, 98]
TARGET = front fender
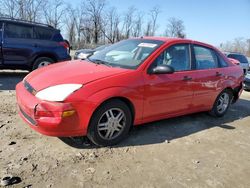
[87, 102]
[132, 95]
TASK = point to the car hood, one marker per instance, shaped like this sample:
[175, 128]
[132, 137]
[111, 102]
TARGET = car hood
[76, 72]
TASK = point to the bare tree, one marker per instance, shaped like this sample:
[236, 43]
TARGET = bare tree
[54, 12]
[239, 45]
[137, 26]
[154, 15]
[148, 29]
[70, 26]
[248, 48]
[175, 28]
[9, 8]
[128, 21]
[110, 26]
[94, 11]
[29, 10]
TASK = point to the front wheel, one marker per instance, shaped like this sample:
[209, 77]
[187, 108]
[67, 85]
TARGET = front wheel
[222, 103]
[110, 123]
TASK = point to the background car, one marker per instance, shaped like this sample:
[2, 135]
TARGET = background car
[85, 53]
[129, 83]
[241, 58]
[246, 83]
[248, 59]
[29, 45]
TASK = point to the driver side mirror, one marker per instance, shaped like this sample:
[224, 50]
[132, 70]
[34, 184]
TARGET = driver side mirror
[161, 69]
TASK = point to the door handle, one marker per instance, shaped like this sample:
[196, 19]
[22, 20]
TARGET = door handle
[218, 74]
[187, 78]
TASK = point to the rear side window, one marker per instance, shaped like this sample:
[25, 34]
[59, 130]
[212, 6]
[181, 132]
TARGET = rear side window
[205, 58]
[43, 33]
[18, 31]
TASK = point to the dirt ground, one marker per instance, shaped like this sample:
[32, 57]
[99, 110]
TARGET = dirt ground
[190, 151]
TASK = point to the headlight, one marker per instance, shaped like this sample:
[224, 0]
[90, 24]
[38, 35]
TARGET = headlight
[58, 92]
[83, 56]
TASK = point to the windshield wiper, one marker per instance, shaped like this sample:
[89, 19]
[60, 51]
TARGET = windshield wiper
[99, 62]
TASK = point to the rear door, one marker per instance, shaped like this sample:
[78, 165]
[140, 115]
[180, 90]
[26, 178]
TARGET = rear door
[208, 77]
[18, 45]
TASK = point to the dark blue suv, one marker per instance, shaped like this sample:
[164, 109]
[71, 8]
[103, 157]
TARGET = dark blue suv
[28, 45]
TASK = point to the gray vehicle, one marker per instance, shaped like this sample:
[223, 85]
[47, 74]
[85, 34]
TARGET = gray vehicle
[246, 83]
[241, 58]
[85, 53]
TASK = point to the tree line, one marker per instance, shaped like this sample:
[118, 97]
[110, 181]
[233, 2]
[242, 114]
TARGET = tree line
[240, 45]
[92, 21]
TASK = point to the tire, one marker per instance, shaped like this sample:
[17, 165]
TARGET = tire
[41, 62]
[222, 103]
[110, 123]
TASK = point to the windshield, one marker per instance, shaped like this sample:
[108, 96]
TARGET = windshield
[127, 54]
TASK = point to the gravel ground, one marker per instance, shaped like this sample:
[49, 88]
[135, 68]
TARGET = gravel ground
[190, 151]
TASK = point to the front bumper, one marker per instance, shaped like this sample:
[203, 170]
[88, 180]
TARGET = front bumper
[54, 125]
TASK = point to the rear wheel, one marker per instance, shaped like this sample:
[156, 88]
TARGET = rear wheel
[222, 103]
[110, 123]
[42, 62]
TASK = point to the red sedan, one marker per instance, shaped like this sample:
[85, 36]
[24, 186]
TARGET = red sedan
[129, 83]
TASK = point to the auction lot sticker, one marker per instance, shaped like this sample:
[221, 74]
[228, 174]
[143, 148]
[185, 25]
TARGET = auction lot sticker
[147, 45]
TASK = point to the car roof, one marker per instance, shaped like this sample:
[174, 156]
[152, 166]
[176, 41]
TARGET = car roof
[179, 40]
[25, 22]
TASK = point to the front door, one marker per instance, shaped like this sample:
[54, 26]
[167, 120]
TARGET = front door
[169, 94]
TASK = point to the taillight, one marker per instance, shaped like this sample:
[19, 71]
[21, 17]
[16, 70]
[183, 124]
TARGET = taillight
[64, 44]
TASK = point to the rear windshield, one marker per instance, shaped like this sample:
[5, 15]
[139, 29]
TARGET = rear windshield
[240, 58]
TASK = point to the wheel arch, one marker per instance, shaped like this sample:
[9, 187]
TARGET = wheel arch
[127, 101]
[47, 54]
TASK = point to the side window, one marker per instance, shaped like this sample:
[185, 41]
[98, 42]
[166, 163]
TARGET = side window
[176, 56]
[205, 58]
[43, 33]
[18, 31]
[223, 63]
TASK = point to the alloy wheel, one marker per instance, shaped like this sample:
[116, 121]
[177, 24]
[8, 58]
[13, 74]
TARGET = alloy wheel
[223, 102]
[111, 123]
